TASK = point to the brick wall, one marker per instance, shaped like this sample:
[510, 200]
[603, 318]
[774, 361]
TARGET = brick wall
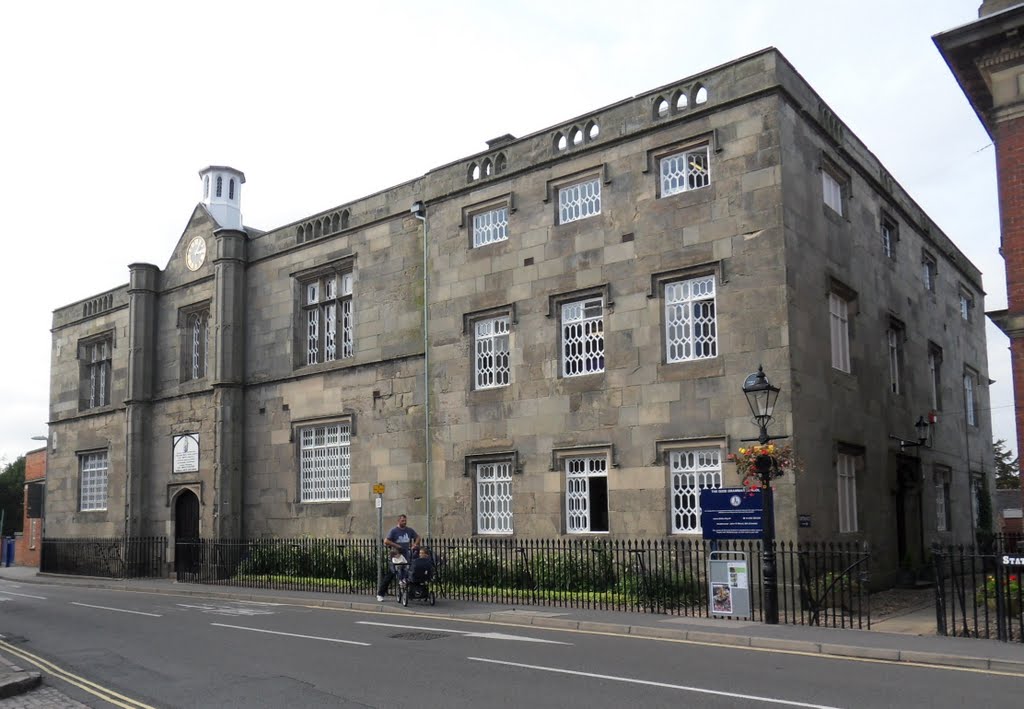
[29, 544]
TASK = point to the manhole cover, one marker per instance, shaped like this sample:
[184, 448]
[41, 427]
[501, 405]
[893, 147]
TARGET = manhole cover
[420, 636]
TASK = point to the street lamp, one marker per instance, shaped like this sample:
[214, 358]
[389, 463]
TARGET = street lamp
[761, 396]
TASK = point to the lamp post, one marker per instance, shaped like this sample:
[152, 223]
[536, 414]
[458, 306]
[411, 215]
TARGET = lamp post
[761, 396]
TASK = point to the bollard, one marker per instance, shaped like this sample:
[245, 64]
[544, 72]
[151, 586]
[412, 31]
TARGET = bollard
[9, 545]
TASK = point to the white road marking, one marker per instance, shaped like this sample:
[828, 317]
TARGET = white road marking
[613, 678]
[467, 633]
[23, 595]
[225, 610]
[117, 610]
[290, 635]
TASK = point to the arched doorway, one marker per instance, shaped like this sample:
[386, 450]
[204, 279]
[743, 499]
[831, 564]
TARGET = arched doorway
[186, 533]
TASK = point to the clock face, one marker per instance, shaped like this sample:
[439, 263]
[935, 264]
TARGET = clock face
[196, 253]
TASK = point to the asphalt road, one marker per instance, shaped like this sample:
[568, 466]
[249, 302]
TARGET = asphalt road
[181, 651]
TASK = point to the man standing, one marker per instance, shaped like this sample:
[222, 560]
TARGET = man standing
[401, 538]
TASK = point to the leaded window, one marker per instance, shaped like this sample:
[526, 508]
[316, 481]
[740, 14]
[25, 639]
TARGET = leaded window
[579, 201]
[198, 328]
[93, 481]
[325, 463]
[96, 356]
[490, 226]
[846, 474]
[691, 330]
[691, 471]
[586, 494]
[494, 498]
[685, 171]
[583, 337]
[327, 311]
[839, 316]
[491, 352]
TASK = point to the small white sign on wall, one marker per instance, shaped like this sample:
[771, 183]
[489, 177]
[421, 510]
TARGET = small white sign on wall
[186, 453]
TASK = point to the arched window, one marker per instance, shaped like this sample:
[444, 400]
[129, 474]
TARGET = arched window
[701, 95]
[593, 131]
[681, 101]
[500, 163]
[561, 143]
[660, 108]
[344, 219]
[474, 172]
[300, 234]
[335, 223]
[206, 187]
[576, 136]
[220, 185]
[316, 230]
[231, 188]
[488, 168]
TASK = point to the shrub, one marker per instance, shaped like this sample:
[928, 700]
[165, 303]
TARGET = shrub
[475, 567]
[589, 569]
[662, 586]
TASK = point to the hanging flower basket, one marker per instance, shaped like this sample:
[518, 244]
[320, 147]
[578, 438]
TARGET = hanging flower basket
[745, 457]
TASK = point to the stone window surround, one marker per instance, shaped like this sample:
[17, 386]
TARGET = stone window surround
[81, 349]
[469, 321]
[552, 186]
[839, 288]
[469, 211]
[185, 339]
[79, 456]
[654, 156]
[555, 303]
[899, 328]
[558, 457]
[343, 264]
[332, 507]
[657, 290]
[964, 295]
[935, 377]
[855, 452]
[972, 378]
[927, 259]
[827, 165]
[472, 460]
[887, 221]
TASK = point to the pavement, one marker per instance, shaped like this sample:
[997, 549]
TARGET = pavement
[909, 636]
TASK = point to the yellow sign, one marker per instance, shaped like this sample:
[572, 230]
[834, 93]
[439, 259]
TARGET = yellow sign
[378, 489]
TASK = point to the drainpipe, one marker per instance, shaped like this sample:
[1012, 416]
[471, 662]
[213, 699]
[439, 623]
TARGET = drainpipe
[419, 210]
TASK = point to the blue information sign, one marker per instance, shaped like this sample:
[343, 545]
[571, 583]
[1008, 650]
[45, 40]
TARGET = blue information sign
[731, 513]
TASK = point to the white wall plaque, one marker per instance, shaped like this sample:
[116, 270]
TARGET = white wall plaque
[186, 453]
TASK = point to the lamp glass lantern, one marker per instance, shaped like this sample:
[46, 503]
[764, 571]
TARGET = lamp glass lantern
[761, 396]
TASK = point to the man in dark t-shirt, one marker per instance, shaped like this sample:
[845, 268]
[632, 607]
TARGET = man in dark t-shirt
[401, 538]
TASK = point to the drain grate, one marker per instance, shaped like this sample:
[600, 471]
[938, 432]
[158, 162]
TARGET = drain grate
[420, 636]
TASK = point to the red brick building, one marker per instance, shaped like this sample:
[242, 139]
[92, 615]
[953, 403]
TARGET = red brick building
[29, 544]
[987, 58]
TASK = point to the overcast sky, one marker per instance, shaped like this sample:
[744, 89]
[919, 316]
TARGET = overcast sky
[108, 110]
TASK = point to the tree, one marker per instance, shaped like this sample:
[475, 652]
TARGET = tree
[12, 495]
[1007, 469]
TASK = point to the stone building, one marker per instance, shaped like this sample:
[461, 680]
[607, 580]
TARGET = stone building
[595, 294]
[987, 58]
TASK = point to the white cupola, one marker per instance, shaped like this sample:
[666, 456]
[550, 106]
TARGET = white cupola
[222, 194]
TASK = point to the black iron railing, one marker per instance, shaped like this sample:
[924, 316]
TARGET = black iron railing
[120, 557]
[819, 584]
[978, 592]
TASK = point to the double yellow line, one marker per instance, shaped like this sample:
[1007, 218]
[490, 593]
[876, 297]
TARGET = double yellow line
[107, 695]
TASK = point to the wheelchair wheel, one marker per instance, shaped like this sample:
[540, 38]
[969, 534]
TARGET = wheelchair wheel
[433, 598]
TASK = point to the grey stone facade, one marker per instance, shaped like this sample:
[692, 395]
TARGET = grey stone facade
[760, 229]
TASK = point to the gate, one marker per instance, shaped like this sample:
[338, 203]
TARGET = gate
[978, 593]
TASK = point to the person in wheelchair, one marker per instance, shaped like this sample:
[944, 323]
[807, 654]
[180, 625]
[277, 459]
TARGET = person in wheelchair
[421, 571]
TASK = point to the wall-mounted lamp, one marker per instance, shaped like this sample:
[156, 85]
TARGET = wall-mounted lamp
[923, 429]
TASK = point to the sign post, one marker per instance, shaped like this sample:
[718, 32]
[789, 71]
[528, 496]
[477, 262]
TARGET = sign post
[378, 490]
